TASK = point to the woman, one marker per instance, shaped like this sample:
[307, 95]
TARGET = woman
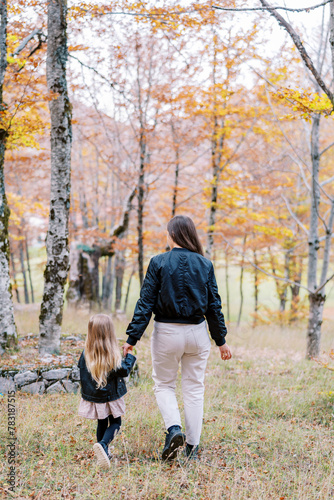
[180, 288]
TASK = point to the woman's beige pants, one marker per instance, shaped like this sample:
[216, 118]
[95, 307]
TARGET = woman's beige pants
[173, 343]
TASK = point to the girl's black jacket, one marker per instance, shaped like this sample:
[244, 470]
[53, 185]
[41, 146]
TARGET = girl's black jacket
[179, 287]
[115, 387]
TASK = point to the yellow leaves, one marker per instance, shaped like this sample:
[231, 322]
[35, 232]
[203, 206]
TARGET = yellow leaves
[23, 124]
[21, 206]
[278, 232]
[304, 102]
[17, 208]
[11, 59]
[40, 207]
[73, 48]
[232, 192]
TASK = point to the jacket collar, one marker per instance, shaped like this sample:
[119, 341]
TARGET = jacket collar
[180, 248]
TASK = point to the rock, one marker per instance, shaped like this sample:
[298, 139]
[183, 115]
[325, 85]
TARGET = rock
[73, 338]
[6, 385]
[25, 378]
[62, 359]
[56, 374]
[75, 373]
[8, 373]
[35, 388]
[71, 386]
[47, 359]
[55, 388]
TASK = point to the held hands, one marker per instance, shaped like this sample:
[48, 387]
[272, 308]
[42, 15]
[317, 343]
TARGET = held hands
[225, 352]
[127, 348]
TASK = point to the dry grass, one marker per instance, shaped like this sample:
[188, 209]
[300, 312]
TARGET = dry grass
[267, 434]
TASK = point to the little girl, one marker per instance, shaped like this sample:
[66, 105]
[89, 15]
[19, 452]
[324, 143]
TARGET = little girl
[102, 386]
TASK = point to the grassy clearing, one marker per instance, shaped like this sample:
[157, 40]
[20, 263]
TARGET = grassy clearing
[267, 434]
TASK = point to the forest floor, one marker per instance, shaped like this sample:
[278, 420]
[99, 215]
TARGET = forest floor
[268, 431]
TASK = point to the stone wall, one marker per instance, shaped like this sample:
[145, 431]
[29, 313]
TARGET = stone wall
[49, 380]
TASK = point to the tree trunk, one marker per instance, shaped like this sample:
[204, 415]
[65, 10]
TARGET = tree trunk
[295, 289]
[119, 274]
[23, 271]
[73, 294]
[212, 215]
[14, 278]
[176, 181]
[107, 289]
[317, 299]
[8, 333]
[215, 167]
[96, 277]
[111, 287]
[313, 336]
[216, 157]
[104, 281]
[128, 289]
[284, 292]
[96, 197]
[82, 192]
[216, 171]
[58, 257]
[227, 286]
[281, 288]
[141, 185]
[314, 324]
[256, 290]
[177, 168]
[29, 271]
[241, 280]
[84, 273]
[331, 35]
[317, 296]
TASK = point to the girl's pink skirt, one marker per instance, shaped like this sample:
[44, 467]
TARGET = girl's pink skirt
[100, 411]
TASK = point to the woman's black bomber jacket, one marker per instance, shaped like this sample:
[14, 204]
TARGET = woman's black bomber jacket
[179, 287]
[115, 387]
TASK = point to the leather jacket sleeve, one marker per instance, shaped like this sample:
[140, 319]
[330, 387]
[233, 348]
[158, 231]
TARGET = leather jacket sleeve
[214, 315]
[81, 357]
[144, 307]
[125, 368]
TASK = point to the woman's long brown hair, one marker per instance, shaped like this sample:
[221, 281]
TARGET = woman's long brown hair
[102, 353]
[182, 230]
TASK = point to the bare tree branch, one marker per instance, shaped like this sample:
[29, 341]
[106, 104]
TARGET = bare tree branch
[123, 226]
[327, 248]
[331, 36]
[326, 149]
[111, 84]
[323, 285]
[286, 280]
[295, 218]
[299, 45]
[327, 181]
[41, 37]
[200, 9]
[252, 9]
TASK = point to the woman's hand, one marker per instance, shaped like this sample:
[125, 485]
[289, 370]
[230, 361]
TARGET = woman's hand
[127, 348]
[225, 352]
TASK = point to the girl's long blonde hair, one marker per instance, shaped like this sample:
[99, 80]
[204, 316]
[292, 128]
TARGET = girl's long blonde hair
[102, 353]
